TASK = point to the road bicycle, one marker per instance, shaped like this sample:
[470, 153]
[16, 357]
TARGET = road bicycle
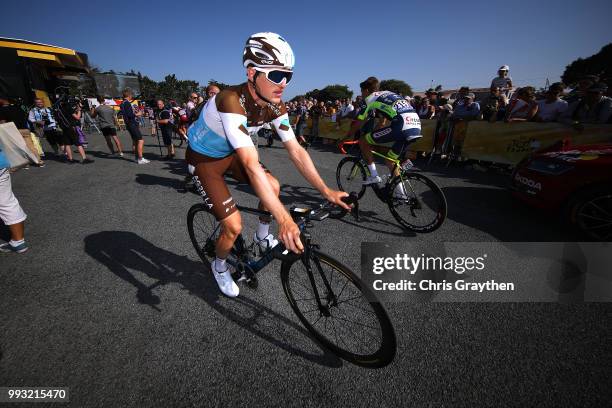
[415, 201]
[331, 301]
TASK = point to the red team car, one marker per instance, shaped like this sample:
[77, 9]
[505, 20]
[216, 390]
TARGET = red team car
[577, 180]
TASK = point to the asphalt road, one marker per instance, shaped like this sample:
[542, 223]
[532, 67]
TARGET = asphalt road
[112, 301]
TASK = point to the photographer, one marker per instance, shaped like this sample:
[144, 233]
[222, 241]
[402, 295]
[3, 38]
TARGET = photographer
[69, 118]
[42, 121]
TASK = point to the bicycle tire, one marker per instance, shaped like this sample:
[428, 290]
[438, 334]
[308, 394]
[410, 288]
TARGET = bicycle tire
[384, 351]
[201, 241]
[437, 196]
[352, 164]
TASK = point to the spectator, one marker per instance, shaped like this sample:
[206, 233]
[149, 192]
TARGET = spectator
[580, 91]
[346, 110]
[460, 99]
[12, 113]
[141, 109]
[127, 111]
[358, 104]
[426, 110]
[502, 80]
[468, 110]
[164, 117]
[594, 107]
[430, 94]
[181, 121]
[552, 107]
[42, 121]
[316, 112]
[523, 108]
[69, 119]
[416, 101]
[192, 103]
[494, 105]
[11, 212]
[107, 122]
[331, 111]
[300, 121]
[212, 90]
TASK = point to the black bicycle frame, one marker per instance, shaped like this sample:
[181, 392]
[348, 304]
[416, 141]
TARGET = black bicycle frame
[255, 265]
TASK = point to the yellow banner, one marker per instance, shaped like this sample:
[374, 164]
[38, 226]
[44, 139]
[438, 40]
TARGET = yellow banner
[509, 143]
[498, 142]
[331, 130]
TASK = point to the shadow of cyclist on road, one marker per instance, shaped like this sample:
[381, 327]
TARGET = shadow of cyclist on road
[123, 252]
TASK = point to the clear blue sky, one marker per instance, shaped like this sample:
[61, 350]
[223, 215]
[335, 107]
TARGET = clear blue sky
[451, 43]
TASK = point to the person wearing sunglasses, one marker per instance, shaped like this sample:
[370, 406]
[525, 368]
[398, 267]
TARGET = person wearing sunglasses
[220, 142]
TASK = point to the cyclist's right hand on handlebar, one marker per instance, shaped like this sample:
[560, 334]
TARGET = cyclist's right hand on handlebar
[289, 234]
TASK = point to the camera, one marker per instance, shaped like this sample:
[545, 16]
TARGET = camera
[45, 118]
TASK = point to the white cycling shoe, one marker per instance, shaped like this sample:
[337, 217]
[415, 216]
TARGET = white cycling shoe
[372, 180]
[225, 281]
[268, 242]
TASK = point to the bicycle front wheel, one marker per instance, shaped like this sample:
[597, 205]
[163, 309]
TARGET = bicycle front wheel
[416, 202]
[350, 175]
[203, 230]
[347, 319]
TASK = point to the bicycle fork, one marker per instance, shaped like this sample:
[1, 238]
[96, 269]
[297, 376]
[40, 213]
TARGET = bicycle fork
[330, 295]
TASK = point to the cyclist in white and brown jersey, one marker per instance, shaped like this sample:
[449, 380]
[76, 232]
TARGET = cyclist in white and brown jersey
[220, 143]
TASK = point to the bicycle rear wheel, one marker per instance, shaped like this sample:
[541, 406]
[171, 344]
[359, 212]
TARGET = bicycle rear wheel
[351, 322]
[416, 202]
[350, 175]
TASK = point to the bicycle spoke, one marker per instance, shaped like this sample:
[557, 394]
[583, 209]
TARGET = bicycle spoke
[356, 307]
[598, 208]
[312, 298]
[344, 342]
[594, 218]
[311, 310]
[358, 324]
[344, 287]
[354, 336]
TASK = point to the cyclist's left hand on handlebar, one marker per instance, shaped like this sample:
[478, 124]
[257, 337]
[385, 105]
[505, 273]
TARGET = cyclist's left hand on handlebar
[335, 197]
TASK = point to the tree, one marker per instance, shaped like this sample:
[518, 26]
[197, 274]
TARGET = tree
[330, 93]
[148, 88]
[396, 85]
[218, 84]
[597, 64]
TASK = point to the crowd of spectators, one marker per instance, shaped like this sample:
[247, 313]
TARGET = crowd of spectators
[589, 102]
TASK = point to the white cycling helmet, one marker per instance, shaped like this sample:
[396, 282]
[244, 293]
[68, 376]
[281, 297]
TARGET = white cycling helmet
[268, 50]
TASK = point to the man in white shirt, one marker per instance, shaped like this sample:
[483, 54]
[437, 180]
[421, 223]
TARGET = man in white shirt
[503, 80]
[344, 111]
[550, 108]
